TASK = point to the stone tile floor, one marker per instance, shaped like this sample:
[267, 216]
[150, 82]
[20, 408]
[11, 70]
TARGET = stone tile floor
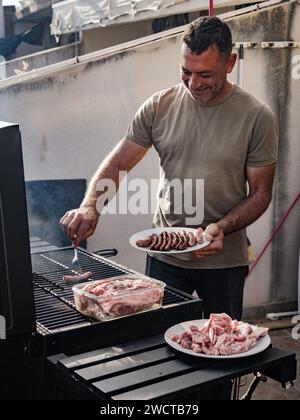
[272, 390]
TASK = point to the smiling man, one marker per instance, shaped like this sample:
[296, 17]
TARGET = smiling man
[204, 70]
[203, 128]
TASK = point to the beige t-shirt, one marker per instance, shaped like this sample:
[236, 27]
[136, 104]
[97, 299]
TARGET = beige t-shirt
[214, 143]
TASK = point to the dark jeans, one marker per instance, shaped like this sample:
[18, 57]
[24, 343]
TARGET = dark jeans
[222, 290]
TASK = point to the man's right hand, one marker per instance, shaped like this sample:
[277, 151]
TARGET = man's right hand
[79, 224]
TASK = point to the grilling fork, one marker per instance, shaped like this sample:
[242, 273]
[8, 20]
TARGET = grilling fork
[75, 262]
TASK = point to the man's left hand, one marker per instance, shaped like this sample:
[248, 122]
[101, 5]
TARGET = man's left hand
[213, 233]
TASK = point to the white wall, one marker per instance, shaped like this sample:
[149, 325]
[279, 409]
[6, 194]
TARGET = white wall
[72, 118]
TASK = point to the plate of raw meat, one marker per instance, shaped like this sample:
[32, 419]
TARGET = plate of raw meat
[219, 337]
[169, 239]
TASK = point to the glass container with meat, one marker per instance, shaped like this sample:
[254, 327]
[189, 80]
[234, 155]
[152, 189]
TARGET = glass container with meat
[118, 296]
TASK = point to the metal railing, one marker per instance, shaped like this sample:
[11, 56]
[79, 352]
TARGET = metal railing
[27, 63]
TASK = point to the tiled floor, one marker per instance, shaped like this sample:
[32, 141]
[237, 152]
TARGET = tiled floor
[272, 390]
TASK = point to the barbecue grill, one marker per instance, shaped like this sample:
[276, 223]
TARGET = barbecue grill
[61, 326]
[44, 334]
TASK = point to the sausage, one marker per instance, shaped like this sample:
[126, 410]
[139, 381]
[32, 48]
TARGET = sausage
[192, 239]
[165, 240]
[144, 243]
[154, 241]
[160, 242]
[199, 235]
[181, 240]
[185, 242]
[173, 236]
[169, 241]
[175, 241]
[78, 277]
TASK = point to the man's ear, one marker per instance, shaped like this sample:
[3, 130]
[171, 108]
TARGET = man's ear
[231, 62]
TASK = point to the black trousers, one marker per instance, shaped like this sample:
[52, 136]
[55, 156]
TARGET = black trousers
[221, 289]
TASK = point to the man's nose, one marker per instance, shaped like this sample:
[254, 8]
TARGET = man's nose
[195, 81]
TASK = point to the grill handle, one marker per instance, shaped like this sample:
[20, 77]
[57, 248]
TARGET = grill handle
[107, 252]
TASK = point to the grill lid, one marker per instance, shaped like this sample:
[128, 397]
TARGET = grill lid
[15, 266]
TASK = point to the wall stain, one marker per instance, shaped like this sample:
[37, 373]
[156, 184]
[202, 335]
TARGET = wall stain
[61, 78]
[43, 149]
[114, 58]
[73, 73]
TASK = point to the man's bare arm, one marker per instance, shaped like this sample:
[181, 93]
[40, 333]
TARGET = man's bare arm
[250, 209]
[122, 158]
[79, 224]
[260, 194]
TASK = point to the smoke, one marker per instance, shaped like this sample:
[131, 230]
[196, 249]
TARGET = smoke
[47, 202]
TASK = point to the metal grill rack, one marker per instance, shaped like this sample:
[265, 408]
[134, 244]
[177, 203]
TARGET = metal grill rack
[54, 299]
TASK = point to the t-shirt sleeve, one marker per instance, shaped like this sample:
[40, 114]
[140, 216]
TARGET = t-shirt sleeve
[262, 150]
[140, 129]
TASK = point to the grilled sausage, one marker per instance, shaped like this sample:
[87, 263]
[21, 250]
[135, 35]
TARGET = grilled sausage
[177, 240]
[173, 243]
[181, 240]
[185, 242]
[154, 241]
[169, 241]
[192, 239]
[160, 242]
[165, 241]
[199, 235]
[78, 277]
[144, 243]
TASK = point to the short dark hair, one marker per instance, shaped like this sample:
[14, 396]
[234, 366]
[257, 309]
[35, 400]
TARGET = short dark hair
[206, 32]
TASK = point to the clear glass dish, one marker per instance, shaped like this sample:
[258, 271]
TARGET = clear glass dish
[117, 297]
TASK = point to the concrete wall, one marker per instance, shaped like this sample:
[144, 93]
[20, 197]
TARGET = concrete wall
[70, 119]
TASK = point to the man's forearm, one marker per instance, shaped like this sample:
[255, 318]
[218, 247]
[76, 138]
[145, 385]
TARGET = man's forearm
[108, 170]
[106, 180]
[245, 213]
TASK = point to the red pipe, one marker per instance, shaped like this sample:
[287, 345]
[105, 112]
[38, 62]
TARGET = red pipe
[274, 233]
[211, 7]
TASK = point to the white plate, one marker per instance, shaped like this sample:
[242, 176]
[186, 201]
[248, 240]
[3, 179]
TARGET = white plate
[261, 344]
[144, 233]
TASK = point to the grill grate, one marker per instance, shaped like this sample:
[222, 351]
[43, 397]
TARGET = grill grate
[54, 299]
[53, 315]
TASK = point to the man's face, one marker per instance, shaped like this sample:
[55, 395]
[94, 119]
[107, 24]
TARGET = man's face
[205, 74]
